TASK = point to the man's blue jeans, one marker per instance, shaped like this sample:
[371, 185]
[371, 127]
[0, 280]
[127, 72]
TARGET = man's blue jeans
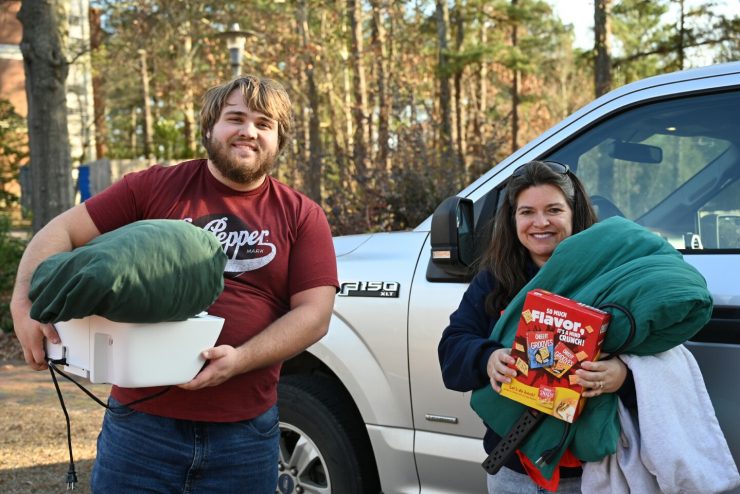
[142, 453]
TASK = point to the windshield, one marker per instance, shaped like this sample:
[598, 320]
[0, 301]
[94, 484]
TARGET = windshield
[672, 166]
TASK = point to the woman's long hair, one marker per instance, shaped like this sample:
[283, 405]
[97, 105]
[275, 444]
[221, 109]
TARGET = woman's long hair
[506, 257]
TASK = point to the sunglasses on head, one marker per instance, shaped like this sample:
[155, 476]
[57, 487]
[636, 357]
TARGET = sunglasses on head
[552, 165]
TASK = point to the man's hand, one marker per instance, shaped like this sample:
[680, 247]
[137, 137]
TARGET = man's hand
[221, 366]
[31, 335]
[304, 324]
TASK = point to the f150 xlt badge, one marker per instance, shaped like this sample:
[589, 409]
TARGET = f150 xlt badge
[387, 289]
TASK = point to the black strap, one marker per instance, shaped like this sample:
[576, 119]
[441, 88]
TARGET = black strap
[633, 328]
[513, 439]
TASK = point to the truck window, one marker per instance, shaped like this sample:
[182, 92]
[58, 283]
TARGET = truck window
[672, 166]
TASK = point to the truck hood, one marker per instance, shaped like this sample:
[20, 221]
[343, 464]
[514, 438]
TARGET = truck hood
[376, 259]
[348, 243]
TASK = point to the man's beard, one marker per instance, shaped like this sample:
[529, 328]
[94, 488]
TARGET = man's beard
[230, 167]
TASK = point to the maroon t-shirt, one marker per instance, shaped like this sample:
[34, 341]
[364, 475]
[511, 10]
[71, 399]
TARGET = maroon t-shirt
[277, 242]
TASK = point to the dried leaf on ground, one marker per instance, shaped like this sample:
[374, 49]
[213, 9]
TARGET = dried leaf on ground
[33, 441]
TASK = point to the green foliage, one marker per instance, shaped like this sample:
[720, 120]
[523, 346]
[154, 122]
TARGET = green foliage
[729, 46]
[11, 249]
[168, 139]
[458, 60]
[412, 195]
[652, 37]
[640, 34]
[13, 152]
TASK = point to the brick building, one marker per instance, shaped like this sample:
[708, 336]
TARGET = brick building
[80, 106]
[79, 80]
[12, 80]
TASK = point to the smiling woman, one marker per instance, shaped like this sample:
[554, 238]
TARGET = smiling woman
[543, 220]
[544, 204]
[530, 224]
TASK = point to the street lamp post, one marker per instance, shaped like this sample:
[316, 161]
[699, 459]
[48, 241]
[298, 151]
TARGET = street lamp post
[235, 39]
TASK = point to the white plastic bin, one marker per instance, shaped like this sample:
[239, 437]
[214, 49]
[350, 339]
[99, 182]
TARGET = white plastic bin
[135, 355]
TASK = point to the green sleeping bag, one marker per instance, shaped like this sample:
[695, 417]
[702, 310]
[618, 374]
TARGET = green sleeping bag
[145, 272]
[615, 261]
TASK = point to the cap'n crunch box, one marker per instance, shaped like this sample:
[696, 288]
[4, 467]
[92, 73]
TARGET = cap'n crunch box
[555, 334]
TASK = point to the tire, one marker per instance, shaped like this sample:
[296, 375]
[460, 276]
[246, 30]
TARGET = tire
[324, 447]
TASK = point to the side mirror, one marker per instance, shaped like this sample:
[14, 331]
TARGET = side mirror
[453, 237]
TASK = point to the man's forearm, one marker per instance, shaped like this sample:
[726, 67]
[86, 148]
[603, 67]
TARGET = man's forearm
[68, 230]
[30, 333]
[289, 335]
[58, 236]
[48, 241]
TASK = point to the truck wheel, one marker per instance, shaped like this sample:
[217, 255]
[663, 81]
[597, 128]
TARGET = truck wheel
[324, 447]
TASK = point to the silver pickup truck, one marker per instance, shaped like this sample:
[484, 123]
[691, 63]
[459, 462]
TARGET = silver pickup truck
[365, 411]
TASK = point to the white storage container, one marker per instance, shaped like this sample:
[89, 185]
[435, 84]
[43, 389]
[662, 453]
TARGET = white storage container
[135, 355]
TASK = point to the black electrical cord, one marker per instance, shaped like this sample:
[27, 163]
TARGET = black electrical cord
[549, 455]
[53, 370]
[71, 474]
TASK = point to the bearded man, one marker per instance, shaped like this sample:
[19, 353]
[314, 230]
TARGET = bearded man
[218, 432]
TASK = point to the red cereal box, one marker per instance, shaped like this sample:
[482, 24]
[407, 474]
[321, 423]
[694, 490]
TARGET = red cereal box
[555, 334]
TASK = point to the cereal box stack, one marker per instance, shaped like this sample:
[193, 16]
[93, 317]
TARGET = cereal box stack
[555, 334]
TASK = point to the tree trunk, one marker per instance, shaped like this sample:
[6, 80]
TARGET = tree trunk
[354, 13]
[339, 117]
[46, 70]
[381, 61]
[460, 121]
[312, 179]
[515, 79]
[681, 35]
[349, 126]
[602, 85]
[133, 141]
[479, 116]
[339, 138]
[148, 126]
[602, 61]
[188, 103]
[443, 71]
[98, 84]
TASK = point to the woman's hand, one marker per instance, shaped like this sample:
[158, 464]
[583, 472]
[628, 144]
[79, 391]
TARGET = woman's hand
[498, 368]
[602, 376]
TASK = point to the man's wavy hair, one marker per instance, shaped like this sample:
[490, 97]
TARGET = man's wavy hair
[260, 94]
[506, 257]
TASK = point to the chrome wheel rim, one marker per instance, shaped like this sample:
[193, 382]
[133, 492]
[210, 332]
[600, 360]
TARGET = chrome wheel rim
[301, 467]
